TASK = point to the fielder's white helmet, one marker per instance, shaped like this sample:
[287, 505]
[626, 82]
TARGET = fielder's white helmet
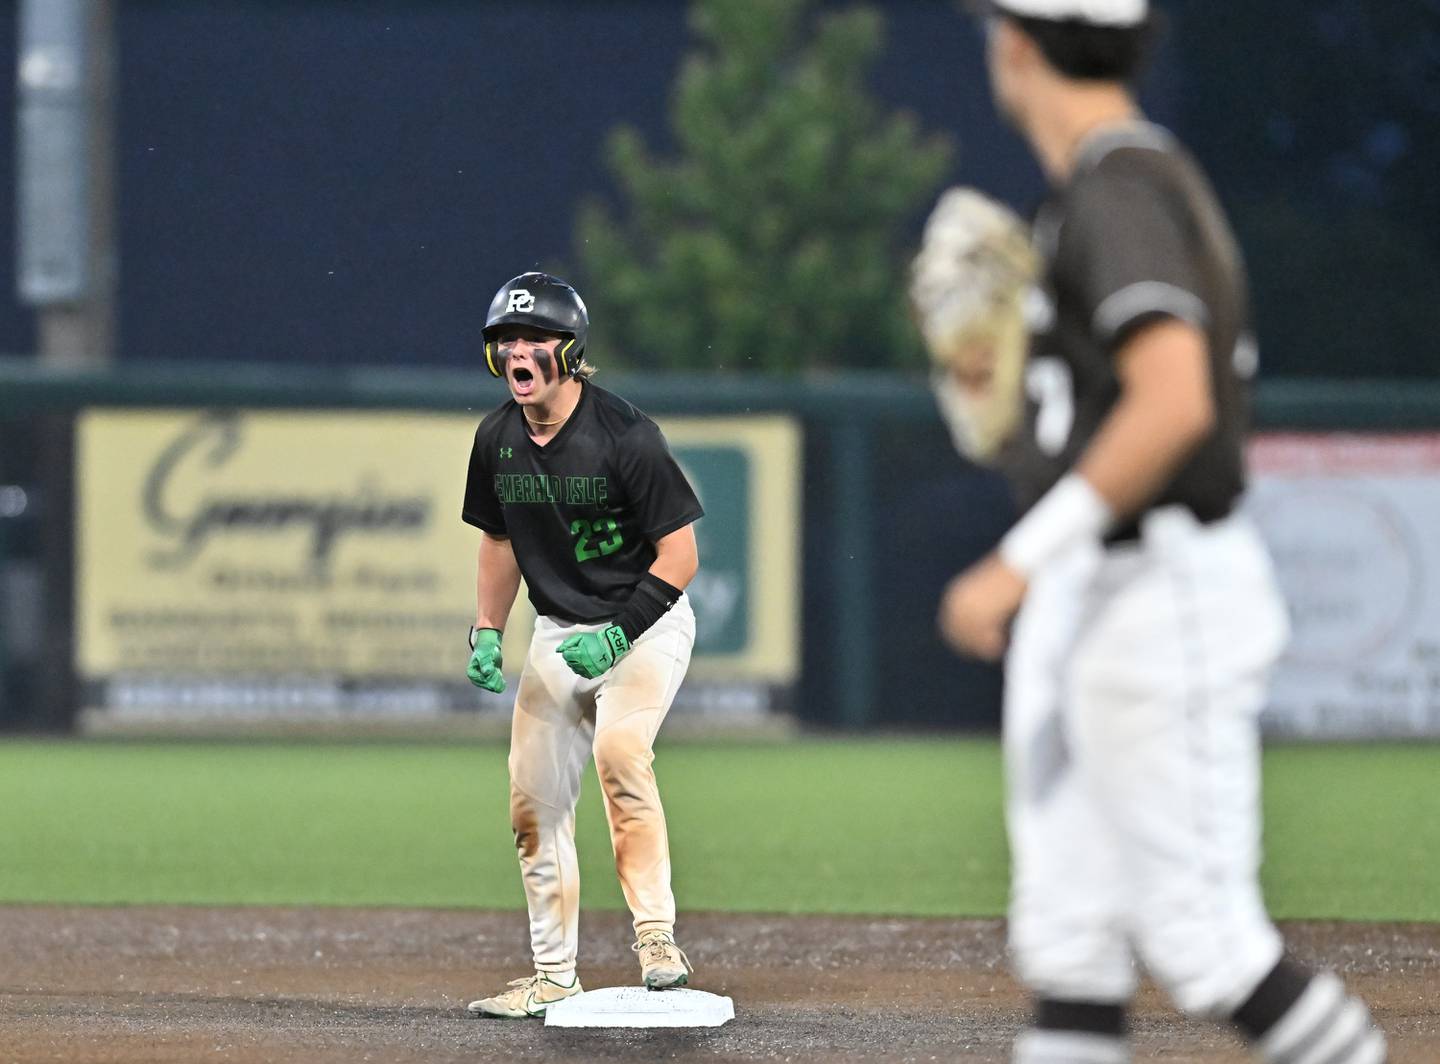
[1117, 13]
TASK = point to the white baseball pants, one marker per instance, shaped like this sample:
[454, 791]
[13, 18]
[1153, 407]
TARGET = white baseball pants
[1133, 686]
[560, 719]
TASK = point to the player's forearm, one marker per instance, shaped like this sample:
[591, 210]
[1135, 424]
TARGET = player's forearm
[677, 558]
[497, 582]
[1136, 452]
[1165, 411]
[676, 562]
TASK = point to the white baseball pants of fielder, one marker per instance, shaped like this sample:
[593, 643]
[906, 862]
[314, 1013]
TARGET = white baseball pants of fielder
[1134, 685]
[560, 719]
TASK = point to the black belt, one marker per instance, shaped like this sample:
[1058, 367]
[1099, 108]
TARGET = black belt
[1130, 531]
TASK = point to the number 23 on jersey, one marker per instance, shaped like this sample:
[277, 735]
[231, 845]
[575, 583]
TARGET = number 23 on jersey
[589, 543]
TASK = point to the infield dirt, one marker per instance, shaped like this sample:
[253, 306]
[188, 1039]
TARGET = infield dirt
[168, 985]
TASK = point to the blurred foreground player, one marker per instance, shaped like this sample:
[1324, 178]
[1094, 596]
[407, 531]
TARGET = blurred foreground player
[1145, 613]
[575, 490]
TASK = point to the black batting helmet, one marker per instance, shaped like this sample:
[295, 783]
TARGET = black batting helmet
[542, 302]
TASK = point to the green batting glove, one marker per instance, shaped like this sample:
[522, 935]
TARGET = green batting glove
[484, 670]
[590, 654]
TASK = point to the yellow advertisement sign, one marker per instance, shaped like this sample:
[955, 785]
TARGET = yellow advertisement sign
[298, 544]
[272, 543]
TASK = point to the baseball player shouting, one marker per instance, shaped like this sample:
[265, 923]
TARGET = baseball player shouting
[575, 490]
[1145, 614]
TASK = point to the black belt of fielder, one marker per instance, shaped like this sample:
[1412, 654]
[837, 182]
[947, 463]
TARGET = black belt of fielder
[1130, 531]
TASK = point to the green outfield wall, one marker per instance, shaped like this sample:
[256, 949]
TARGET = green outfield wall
[885, 509]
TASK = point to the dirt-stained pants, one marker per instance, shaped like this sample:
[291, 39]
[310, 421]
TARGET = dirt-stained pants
[560, 720]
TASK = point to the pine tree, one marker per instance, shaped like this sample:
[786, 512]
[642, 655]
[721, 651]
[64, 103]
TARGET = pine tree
[776, 239]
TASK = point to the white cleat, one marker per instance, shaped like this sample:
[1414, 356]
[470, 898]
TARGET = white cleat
[531, 996]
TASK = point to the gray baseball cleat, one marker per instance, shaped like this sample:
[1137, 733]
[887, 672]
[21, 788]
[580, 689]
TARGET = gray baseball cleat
[663, 964]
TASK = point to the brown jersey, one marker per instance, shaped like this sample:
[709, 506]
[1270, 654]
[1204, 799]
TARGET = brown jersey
[1136, 235]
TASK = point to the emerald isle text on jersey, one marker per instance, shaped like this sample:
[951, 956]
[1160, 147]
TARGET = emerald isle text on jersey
[535, 487]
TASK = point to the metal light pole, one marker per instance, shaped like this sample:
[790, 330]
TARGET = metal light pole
[66, 269]
[65, 176]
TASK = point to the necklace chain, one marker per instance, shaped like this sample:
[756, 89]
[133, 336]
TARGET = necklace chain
[547, 424]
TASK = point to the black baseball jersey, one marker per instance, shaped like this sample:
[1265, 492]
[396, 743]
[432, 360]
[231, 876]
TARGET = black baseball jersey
[1134, 236]
[582, 513]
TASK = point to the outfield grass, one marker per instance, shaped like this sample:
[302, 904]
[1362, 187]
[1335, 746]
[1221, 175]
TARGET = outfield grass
[902, 827]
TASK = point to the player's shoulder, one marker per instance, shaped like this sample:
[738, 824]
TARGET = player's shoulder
[617, 414]
[1123, 161]
[497, 415]
[495, 420]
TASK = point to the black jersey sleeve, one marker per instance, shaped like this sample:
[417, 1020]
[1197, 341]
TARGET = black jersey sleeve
[1132, 245]
[482, 506]
[662, 497]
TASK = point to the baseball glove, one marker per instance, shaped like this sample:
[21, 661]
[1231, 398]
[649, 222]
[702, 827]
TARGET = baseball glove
[967, 289]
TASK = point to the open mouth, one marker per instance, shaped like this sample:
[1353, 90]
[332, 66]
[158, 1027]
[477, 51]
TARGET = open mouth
[522, 379]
